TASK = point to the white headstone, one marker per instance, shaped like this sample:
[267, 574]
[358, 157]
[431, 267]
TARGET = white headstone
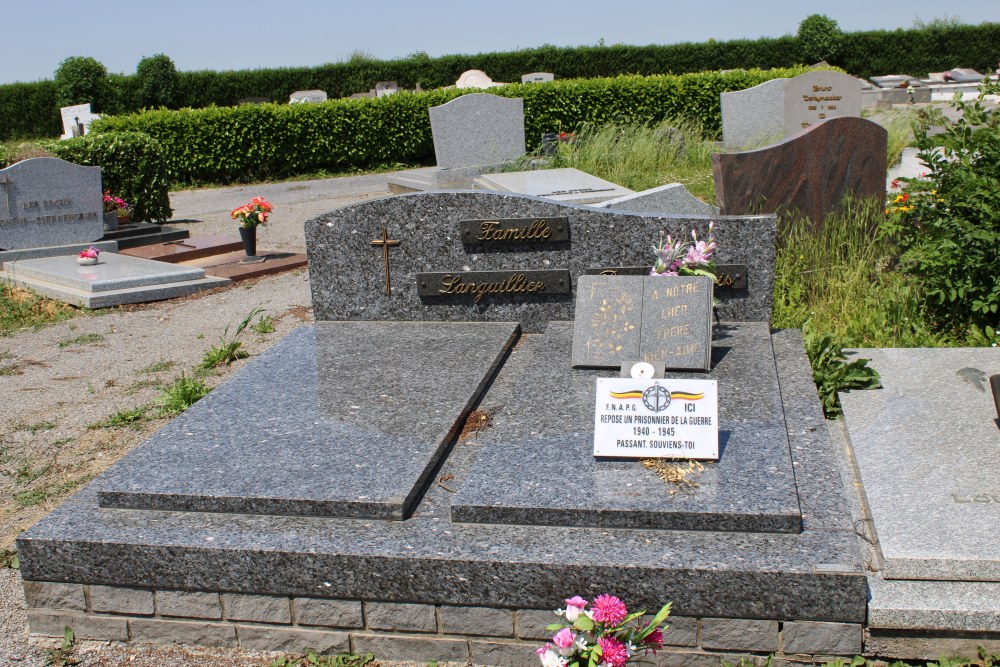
[475, 78]
[538, 77]
[383, 88]
[303, 96]
[76, 120]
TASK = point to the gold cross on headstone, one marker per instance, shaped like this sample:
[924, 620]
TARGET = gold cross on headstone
[5, 182]
[385, 242]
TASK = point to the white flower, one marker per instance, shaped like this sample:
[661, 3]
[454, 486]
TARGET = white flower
[581, 642]
[552, 659]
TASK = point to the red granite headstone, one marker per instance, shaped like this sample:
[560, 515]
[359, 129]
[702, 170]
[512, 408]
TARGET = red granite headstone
[811, 171]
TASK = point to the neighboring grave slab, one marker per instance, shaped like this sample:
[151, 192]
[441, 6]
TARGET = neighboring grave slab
[754, 116]
[478, 129]
[76, 120]
[620, 319]
[810, 172]
[566, 185]
[348, 273]
[47, 201]
[366, 411]
[303, 96]
[670, 199]
[547, 474]
[820, 95]
[538, 77]
[927, 447]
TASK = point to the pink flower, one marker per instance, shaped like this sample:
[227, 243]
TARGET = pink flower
[613, 651]
[609, 610]
[653, 641]
[540, 651]
[564, 638]
[90, 253]
[574, 606]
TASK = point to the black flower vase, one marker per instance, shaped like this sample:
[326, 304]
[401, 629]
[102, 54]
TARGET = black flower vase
[249, 237]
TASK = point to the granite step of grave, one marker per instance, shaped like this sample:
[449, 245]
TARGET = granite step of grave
[236, 266]
[814, 574]
[114, 280]
[374, 415]
[428, 179]
[144, 233]
[194, 247]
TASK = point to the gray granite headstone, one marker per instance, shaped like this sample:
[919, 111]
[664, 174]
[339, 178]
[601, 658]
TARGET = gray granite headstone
[47, 201]
[754, 116]
[348, 274]
[672, 199]
[478, 129]
[648, 318]
[383, 88]
[302, 96]
[927, 447]
[566, 185]
[538, 77]
[820, 95]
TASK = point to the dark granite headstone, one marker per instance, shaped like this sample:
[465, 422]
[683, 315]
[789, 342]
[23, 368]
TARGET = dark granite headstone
[649, 318]
[348, 274]
[810, 172]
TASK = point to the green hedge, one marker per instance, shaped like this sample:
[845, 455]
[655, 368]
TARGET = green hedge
[269, 141]
[29, 109]
[132, 166]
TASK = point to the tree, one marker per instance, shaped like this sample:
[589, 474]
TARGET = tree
[819, 38]
[159, 83]
[79, 80]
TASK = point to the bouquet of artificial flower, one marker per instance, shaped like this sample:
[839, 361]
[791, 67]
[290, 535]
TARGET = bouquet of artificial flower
[113, 204]
[89, 253]
[602, 636]
[252, 214]
[680, 258]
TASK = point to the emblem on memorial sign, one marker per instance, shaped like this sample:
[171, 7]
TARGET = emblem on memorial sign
[656, 398]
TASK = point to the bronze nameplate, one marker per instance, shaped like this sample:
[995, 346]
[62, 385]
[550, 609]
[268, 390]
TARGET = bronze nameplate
[480, 284]
[515, 230]
[731, 276]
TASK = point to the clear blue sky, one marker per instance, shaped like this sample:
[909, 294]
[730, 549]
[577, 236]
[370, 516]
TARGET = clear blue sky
[246, 34]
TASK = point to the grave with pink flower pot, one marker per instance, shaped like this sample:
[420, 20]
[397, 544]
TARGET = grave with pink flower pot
[414, 475]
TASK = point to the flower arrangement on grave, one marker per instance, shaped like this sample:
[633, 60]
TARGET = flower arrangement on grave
[113, 204]
[253, 214]
[675, 257]
[89, 253]
[606, 635]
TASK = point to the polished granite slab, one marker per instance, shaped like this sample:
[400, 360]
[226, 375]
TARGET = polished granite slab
[336, 420]
[113, 271]
[537, 464]
[927, 447]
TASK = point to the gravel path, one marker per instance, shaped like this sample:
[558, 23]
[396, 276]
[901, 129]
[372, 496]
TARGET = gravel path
[59, 383]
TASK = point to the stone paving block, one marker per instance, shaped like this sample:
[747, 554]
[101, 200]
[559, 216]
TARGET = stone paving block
[813, 638]
[503, 654]
[532, 623]
[121, 600]
[400, 616]
[329, 613]
[262, 608]
[477, 621]
[85, 626]
[739, 634]
[291, 640]
[183, 632]
[52, 595]
[694, 659]
[189, 604]
[682, 631]
[416, 649]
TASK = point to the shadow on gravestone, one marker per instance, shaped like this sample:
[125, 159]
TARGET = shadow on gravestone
[810, 172]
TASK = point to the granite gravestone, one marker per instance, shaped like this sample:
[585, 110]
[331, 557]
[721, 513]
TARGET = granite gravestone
[754, 116]
[478, 129]
[820, 95]
[304, 96]
[810, 172]
[656, 319]
[76, 120]
[383, 88]
[670, 199]
[565, 185]
[538, 77]
[47, 202]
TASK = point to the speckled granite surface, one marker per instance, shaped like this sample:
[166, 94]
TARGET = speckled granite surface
[348, 278]
[335, 420]
[537, 464]
[813, 574]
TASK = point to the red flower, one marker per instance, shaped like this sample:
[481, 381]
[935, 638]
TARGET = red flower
[653, 641]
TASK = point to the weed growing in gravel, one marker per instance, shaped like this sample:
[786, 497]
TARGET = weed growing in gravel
[264, 325]
[65, 655]
[181, 395]
[33, 429]
[85, 339]
[229, 349]
[54, 490]
[122, 418]
[8, 558]
[311, 659]
[157, 367]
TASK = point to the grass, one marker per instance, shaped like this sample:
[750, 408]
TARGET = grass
[181, 394]
[124, 418]
[35, 428]
[229, 349]
[53, 490]
[640, 157]
[158, 367]
[21, 308]
[264, 325]
[85, 339]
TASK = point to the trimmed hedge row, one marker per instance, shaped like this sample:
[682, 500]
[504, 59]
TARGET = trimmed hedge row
[270, 141]
[26, 112]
